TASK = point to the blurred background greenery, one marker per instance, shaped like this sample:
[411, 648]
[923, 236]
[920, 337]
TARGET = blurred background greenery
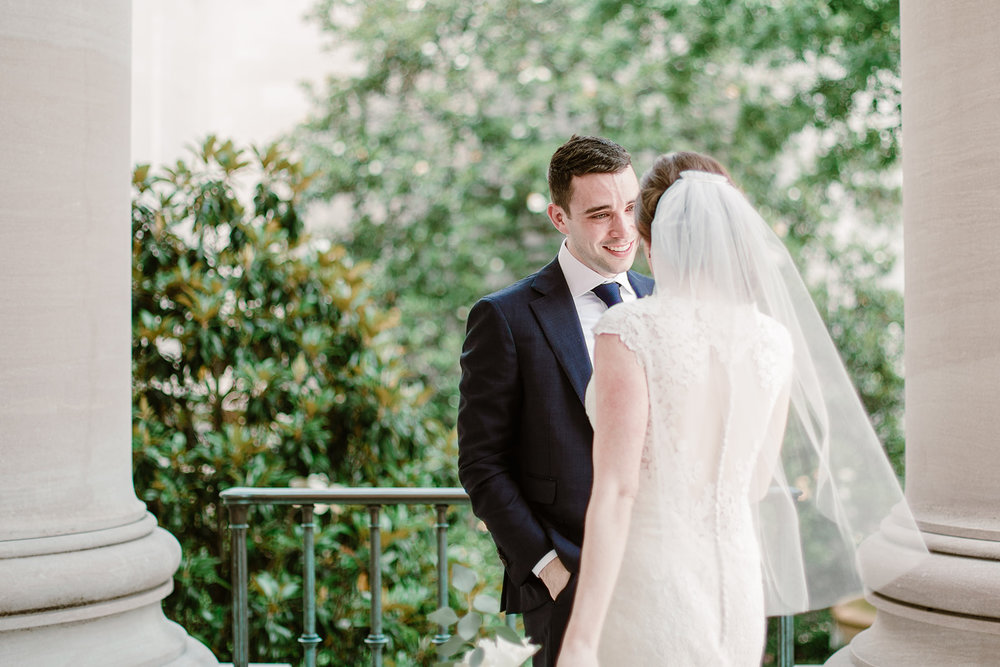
[264, 355]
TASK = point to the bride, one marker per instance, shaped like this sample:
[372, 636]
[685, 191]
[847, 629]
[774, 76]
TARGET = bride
[736, 473]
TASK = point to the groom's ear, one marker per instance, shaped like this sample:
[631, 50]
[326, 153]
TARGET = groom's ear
[558, 217]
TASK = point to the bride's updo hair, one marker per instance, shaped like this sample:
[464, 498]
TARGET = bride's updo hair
[661, 176]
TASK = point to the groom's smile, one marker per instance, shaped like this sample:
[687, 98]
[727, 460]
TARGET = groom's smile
[622, 250]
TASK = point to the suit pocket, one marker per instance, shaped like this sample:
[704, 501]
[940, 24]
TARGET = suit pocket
[568, 592]
[539, 489]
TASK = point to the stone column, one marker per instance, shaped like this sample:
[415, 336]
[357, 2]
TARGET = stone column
[83, 567]
[948, 612]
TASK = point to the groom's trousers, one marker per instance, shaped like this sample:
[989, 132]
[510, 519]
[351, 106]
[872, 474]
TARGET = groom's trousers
[546, 625]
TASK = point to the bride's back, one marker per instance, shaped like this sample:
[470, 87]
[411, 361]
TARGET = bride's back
[714, 374]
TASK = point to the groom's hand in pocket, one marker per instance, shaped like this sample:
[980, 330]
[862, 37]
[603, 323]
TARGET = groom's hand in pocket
[555, 576]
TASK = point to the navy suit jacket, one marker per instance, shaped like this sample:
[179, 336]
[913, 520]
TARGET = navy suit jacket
[523, 435]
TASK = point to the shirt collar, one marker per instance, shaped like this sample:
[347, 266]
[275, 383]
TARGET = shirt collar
[580, 278]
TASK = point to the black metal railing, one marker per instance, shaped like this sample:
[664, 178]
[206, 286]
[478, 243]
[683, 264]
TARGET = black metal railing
[239, 500]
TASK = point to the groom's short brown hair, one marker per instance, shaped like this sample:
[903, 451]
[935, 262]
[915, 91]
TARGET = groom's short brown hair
[579, 156]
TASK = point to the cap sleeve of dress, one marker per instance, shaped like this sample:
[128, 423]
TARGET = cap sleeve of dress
[625, 321]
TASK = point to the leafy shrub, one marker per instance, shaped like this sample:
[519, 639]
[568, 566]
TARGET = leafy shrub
[259, 359]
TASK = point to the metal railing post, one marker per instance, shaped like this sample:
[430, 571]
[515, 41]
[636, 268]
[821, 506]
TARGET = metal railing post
[376, 639]
[786, 641]
[441, 527]
[309, 638]
[238, 540]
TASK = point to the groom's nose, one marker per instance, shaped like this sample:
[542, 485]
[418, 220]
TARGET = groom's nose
[621, 224]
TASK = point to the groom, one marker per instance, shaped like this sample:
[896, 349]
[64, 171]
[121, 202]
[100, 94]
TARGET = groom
[524, 439]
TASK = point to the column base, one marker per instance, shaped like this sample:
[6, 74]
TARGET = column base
[945, 611]
[75, 577]
[93, 598]
[921, 638]
[141, 636]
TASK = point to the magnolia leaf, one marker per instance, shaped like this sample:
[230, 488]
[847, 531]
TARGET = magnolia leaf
[463, 578]
[487, 604]
[444, 616]
[140, 174]
[299, 368]
[267, 584]
[148, 319]
[469, 625]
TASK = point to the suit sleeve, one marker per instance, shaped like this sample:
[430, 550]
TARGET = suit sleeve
[489, 415]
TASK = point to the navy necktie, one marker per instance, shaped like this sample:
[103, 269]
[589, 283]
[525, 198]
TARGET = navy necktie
[609, 293]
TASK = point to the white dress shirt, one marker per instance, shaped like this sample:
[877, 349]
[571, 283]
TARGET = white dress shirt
[581, 279]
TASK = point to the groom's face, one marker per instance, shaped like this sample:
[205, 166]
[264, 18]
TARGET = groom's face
[600, 222]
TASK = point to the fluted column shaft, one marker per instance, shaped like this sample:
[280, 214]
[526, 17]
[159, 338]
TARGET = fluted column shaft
[948, 612]
[83, 567]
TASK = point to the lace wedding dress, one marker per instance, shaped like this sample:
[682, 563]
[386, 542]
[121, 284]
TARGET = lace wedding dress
[690, 592]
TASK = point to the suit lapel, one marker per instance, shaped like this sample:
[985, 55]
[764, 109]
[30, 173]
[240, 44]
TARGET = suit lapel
[559, 321]
[557, 317]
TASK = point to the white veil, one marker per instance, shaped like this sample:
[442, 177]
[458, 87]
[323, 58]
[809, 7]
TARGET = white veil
[832, 487]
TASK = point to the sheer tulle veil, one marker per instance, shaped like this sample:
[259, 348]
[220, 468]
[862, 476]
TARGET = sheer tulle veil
[833, 494]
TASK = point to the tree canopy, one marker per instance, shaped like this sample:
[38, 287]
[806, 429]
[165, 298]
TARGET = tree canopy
[435, 141]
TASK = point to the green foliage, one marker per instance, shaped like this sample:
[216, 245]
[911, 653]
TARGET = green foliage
[812, 635]
[261, 359]
[436, 140]
[438, 137]
[470, 626]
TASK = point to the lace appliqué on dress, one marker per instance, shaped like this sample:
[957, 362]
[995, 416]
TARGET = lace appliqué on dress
[713, 371]
[636, 324]
[772, 355]
[640, 325]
